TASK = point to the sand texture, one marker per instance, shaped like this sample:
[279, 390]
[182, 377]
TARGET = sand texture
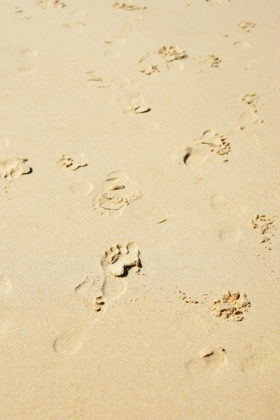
[140, 204]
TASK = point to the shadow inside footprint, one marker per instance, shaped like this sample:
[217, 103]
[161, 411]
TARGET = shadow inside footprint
[210, 359]
[118, 260]
[192, 158]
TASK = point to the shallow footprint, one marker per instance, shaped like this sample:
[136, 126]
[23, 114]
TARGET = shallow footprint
[259, 356]
[242, 44]
[230, 234]
[157, 215]
[28, 61]
[90, 295]
[133, 102]
[192, 158]
[68, 342]
[113, 287]
[81, 187]
[209, 360]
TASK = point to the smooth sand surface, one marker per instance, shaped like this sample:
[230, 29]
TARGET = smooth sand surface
[140, 196]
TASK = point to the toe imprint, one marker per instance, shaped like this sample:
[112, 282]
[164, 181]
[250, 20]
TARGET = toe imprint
[119, 259]
[13, 168]
[73, 161]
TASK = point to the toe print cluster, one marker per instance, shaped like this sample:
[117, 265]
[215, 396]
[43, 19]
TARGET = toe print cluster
[13, 168]
[119, 259]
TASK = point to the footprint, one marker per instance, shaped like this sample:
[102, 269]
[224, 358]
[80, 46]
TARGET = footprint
[73, 161]
[246, 26]
[77, 25]
[251, 116]
[231, 306]
[171, 53]
[230, 234]
[81, 187]
[258, 357]
[95, 79]
[251, 99]
[127, 94]
[213, 61]
[172, 56]
[216, 142]
[231, 210]
[203, 63]
[90, 295]
[266, 227]
[29, 53]
[133, 102]
[191, 157]
[68, 343]
[95, 293]
[20, 14]
[6, 287]
[157, 215]
[28, 61]
[210, 359]
[113, 288]
[13, 168]
[118, 191]
[127, 29]
[119, 259]
[45, 4]
[242, 44]
[128, 6]
[147, 66]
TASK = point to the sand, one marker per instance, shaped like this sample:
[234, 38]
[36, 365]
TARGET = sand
[140, 196]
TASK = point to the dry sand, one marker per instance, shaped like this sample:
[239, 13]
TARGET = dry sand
[140, 198]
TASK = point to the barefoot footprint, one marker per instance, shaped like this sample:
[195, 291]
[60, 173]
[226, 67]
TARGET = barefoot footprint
[89, 293]
[50, 3]
[209, 360]
[191, 157]
[13, 168]
[128, 6]
[118, 192]
[73, 161]
[94, 293]
[116, 263]
[68, 342]
[119, 259]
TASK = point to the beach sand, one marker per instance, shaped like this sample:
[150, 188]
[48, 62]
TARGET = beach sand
[140, 196]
